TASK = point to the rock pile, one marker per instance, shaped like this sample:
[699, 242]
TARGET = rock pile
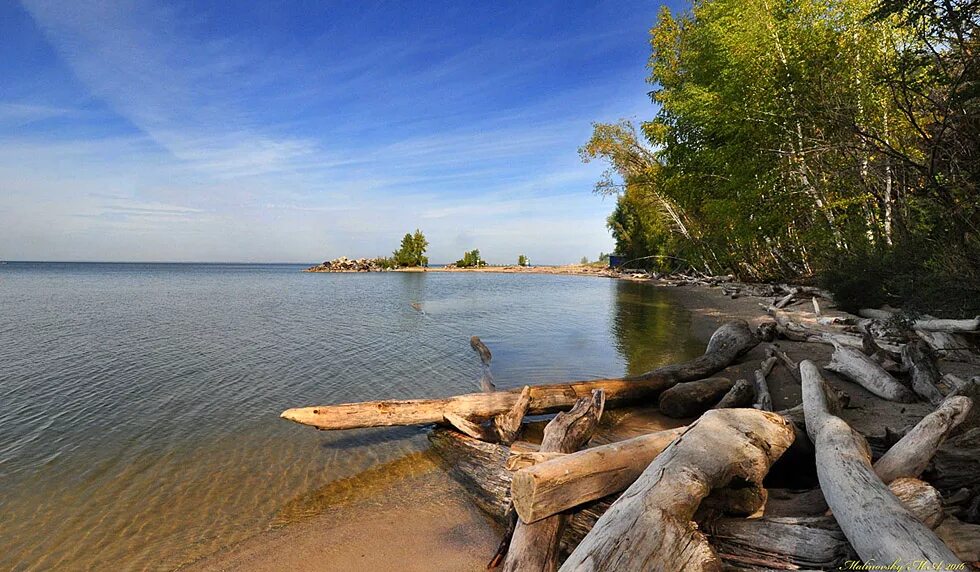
[344, 264]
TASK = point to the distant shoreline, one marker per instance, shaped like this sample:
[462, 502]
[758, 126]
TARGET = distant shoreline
[565, 269]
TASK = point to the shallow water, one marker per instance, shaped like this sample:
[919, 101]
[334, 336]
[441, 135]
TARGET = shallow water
[139, 413]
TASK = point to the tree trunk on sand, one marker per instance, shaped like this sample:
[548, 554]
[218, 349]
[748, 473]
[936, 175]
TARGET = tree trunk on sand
[861, 369]
[742, 394]
[650, 526]
[572, 480]
[535, 546]
[921, 363]
[911, 455]
[693, 398]
[875, 522]
[727, 343]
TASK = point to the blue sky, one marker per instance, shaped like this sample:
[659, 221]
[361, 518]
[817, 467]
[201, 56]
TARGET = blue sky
[299, 131]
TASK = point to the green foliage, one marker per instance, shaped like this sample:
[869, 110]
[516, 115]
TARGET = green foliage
[805, 137]
[523, 260]
[585, 260]
[471, 259]
[385, 262]
[412, 250]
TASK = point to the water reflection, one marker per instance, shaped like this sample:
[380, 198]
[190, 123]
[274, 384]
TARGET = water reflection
[649, 328]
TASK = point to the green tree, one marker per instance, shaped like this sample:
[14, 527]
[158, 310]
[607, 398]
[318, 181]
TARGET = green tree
[412, 250]
[471, 259]
[523, 260]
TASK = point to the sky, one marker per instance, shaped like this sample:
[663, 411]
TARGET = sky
[299, 131]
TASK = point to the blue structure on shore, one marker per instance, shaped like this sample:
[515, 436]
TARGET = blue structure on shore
[616, 260]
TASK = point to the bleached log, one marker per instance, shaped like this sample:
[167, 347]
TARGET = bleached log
[875, 522]
[864, 371]
[572, 480]
[763, 399]
[911, 455]
[728, 342]
[816, 306]
[742, 394]
[650, 526]
[534, 546]
[919, 361]
[691, 398]
[951, 326]
[951, 346]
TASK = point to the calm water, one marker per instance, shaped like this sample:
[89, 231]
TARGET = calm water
[139, 403]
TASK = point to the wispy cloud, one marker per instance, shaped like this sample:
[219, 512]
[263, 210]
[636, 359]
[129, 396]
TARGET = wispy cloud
[286, 140]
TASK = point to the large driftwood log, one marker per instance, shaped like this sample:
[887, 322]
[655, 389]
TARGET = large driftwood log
[911, 455]
[650, 526]
[572, 480]
[919, 360]
[763, 399]
[693, 398]
[727, 343]
[875, 522]
[534, 546]
[864, 371]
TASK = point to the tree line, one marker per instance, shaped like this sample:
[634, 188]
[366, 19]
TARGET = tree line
[837, 141]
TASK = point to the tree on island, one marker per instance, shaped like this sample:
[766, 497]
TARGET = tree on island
[523, 260]
[412, 250]
[470, 259]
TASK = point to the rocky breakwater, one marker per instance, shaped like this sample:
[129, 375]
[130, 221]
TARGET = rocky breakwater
[344, 264]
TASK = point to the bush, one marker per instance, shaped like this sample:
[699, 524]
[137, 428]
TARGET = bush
[910, 275]
[523, 261]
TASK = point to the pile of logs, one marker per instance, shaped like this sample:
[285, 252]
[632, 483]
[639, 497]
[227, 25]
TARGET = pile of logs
[344, 264]
[701, 497]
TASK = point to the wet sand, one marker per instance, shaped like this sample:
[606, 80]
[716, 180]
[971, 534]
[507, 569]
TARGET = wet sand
[407, 515]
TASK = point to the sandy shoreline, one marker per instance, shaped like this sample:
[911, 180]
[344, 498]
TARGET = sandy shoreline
[441, 530]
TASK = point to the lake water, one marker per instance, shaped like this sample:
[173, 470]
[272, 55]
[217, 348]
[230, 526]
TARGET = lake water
[139, 403]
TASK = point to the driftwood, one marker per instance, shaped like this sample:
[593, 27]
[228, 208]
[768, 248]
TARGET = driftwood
[481, 349]
[911, 455]
[692, 398]
[727, 343]
[875, 522]
[921, 364]
[568, 481]
[940, 325]
[793, 534]
[508, 425]
[650, 526]
[534, 546]
[763, 399]
[951, 346]
[742, 394]
[862, 370]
